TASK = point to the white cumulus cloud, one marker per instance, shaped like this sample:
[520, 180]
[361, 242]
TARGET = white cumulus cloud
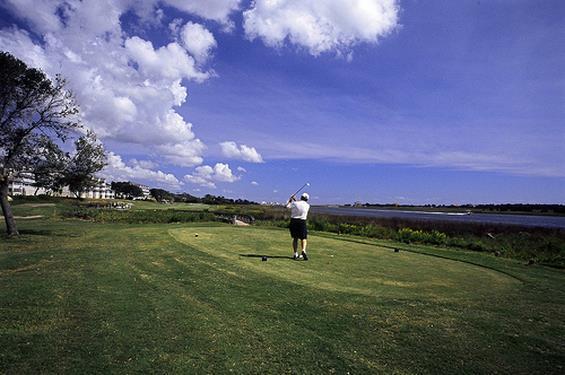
[231, 150]
[118, 170]
[171, 61]
[217, 10]
[255, 183]
[320, 25]
[148, 164]
[223, 173]
[198, 41]
[207, 176]
[128, 88]
[185, 154]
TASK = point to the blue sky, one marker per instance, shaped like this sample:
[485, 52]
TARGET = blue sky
[405, 101]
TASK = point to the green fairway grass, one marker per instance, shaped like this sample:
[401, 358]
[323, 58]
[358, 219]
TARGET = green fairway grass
[348, 266]
[82, 297]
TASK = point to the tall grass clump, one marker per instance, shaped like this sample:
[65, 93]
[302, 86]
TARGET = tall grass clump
[434, 237]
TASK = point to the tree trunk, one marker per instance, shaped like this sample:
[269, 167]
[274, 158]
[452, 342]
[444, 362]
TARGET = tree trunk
[7, 209]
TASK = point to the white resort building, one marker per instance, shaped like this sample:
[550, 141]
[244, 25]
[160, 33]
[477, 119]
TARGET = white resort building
[23, 184]
[102, 190]
[145, 190]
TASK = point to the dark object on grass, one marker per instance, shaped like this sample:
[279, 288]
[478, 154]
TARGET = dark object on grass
[396, 250]
[531, 261]
[196, 235]
[497, 253]
[264, 258]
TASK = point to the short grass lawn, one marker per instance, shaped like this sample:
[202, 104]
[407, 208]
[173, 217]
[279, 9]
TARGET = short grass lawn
[80, 297]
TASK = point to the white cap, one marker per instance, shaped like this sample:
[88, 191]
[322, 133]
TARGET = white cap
[305, 196]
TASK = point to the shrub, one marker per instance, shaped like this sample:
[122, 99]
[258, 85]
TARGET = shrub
[408, 235]
[142, 216]
[405, 235]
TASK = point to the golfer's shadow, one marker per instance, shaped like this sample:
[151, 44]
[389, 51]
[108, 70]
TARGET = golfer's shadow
[265, 255]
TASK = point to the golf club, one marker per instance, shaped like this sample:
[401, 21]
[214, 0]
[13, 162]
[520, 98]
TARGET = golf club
[303, 186]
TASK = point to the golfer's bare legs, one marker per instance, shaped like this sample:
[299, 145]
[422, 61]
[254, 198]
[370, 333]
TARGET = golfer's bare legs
[303, 243]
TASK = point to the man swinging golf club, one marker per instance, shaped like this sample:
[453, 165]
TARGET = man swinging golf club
[298, 214]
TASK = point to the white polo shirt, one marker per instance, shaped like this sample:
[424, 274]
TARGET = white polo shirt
[298, 209]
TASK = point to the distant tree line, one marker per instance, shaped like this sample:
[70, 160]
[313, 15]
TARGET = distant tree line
[544, 208]
[506, 207]
[212, 199]
[164, 195]
[130, 190]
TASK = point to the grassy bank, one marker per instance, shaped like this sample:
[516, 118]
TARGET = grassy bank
[85, 297]
[538, 245]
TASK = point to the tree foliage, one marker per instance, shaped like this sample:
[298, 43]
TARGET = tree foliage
[53, 169]
[49, 166]
[161, 194]
[89, 158]
[127, 189]
[36, 114]
[31, 107]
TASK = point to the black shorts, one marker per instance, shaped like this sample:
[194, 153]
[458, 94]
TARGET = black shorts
[298, 229]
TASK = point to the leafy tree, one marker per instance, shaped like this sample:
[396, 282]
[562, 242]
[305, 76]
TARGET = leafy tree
[53, 169]
[31, 107]
[88, 159]
[49, 167]
[161, 194]
[127, 189]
